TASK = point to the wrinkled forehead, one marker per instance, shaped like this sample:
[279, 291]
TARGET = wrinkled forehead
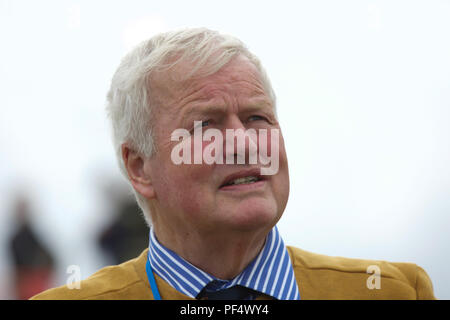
[168, 85]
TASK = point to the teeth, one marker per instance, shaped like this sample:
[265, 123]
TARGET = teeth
[250, 179]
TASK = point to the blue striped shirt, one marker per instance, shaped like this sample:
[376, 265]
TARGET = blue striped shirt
[271, 272]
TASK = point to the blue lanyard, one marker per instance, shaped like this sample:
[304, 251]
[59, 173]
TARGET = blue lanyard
[151, 280]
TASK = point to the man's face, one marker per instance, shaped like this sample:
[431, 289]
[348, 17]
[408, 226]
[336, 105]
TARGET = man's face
[194, 197]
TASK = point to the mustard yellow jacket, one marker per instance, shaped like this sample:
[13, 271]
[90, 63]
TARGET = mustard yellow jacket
[318, 277]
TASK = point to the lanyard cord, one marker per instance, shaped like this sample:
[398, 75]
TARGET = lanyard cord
[151, 280]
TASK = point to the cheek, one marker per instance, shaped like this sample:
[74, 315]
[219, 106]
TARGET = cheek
[184, 187]
[193, 149]
[270, 140]
[282, 178]
[282, 150]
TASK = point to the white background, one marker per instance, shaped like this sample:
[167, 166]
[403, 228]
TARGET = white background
[363, 93]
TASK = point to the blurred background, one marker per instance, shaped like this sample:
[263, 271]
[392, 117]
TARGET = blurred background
[363, 93]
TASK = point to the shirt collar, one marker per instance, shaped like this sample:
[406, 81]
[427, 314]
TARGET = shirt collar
[271, 272]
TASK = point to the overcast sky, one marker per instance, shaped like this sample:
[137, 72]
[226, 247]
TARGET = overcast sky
[363, 93]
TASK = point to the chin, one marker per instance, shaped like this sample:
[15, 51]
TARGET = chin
[253, 215]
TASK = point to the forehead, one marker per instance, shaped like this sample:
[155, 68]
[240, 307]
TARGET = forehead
[239, 78]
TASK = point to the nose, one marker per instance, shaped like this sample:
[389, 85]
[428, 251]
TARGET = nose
[240, 143]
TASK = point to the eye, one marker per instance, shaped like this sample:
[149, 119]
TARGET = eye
[256, 118]
[200, 124]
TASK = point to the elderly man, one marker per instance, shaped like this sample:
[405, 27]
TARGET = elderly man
[195, 131]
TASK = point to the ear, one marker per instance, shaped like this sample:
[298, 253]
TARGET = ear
[138, 172]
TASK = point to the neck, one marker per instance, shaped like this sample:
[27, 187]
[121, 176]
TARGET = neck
[222, 256]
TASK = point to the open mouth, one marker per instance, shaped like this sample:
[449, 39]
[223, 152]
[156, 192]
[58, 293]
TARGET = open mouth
[243, 180]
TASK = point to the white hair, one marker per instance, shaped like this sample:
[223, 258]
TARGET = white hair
[128, 99]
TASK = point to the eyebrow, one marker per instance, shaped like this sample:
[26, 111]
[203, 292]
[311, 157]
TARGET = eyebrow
[256, 106]
[204, 109]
